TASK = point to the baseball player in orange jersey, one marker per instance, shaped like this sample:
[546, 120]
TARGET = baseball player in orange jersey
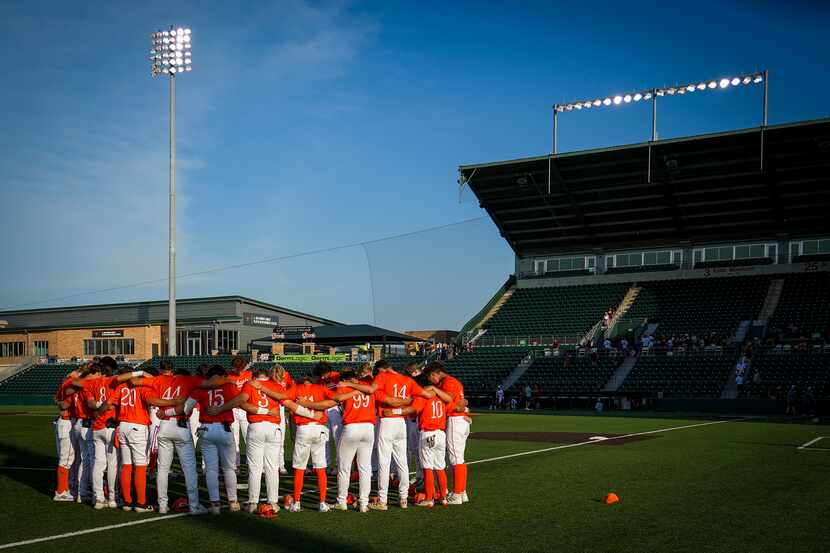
[174, 435]
[458, 428]
[216, 438]
[263, 442]
[283, 377]
[132, 404]
[81, 436]
[432, 442]
[96, 389]
[239, 375]
[334, 417]
[63, 441]
[358, 435]
[312, 435]
[413, 370]
[392, 431]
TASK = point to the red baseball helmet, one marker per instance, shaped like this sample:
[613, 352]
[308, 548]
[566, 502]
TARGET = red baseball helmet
[180, 505]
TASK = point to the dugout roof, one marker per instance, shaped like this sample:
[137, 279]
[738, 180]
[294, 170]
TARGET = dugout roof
[350, 335]
[703, 189]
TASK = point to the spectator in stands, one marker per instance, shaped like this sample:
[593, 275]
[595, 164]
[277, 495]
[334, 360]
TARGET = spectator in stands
[598, 406]
[808, 402]
[607, 345]
[499, 397]
[792, 400]
[514, 402]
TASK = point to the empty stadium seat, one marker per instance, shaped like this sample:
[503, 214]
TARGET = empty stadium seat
[569, 375]
[697, 306]
[692, 375]
[565, 312]
[778, 371]
[805, 302]
[38, 380]
[483, 369]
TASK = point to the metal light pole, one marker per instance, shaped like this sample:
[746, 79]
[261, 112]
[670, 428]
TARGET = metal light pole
[171, 54]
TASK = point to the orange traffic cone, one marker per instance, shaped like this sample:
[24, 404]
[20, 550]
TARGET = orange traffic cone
[611, 498]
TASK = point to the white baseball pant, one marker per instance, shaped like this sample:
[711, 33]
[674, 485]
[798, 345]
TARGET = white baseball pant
[356, 439]
[153, 436]
[458, 430]
[334, 422]
[432, 449]
[173, 437]
[133, 439]
[413, 437]
[283, 429]
[106, 460]
[239, 427]
[217, 447]
[263, 445]
[63, 443]
[81, 437]
[392, 445]
[311, 440]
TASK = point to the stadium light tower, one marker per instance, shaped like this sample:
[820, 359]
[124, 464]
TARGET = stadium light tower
[171, 55]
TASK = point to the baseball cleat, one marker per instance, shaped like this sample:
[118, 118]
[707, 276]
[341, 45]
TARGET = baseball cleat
[215, 510]
[100, 505]
[197, 510]
[324, 507]
[234, 506]
[341, 507]
[163, 509]
[464, 497]
[143, 509]
[295, 507]
[404, 503]
[275, 507]
[363, 508]
[63, 496]
[425, 503]
[454, 499]
[378, 506]
[252, 507]
[127, 507]
[112, 504]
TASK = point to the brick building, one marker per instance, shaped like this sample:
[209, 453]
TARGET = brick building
[138, 330]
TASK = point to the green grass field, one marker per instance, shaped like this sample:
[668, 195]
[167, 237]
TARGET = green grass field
[733, 486]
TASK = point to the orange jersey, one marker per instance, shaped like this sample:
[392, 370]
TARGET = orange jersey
[453, 387]
[313, 393]
[397, 386]
[132, 403]
[215, 398]
[259, 399]
[361, 407]
[61, 395]
[330, 380]
[432, 413]
[173, 386]
[239, 379]
[79, 408]
[99, 390]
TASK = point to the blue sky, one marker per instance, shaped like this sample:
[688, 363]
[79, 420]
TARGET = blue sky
[308, 125]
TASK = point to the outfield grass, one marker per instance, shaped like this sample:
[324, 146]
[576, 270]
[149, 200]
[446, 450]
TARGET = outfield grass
[736, 486]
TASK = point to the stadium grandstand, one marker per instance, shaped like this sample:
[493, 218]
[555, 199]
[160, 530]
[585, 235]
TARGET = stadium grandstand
[687, 269]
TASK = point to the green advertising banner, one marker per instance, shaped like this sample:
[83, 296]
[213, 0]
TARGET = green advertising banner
[337, 357]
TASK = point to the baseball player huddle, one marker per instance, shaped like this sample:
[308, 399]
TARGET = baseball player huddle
[114, 423]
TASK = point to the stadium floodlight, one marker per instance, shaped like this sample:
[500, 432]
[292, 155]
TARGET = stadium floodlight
[170, 55]
[653, 93]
